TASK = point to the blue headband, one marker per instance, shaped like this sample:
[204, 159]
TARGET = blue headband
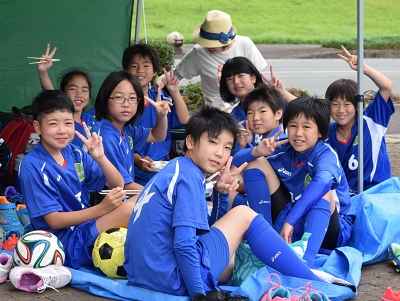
[222, 37]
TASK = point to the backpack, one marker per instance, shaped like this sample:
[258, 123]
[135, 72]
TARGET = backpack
[16, 134]
[5, 157]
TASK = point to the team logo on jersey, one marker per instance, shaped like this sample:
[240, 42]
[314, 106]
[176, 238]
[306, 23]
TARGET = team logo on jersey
[130, 142]
[79, 171]
[284, 171]
[307, 180]
[355, 142]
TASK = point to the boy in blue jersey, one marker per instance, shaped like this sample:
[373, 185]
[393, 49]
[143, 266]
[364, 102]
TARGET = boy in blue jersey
[172, 245]
[56, 176]
[301, 186]
[142, 61]
[263, 107]
[343, 132]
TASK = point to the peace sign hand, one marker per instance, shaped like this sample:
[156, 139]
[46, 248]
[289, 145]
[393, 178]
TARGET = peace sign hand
[161, 106]
[274, 82]
[44, 67]
[172, 81]
[267, 146]
[245, 136]
[229, 180]
[93, 142]
[349, 58]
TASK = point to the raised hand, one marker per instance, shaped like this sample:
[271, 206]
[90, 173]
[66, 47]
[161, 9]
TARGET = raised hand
[93, 142]
[245, 136]
[161, 106]
[44, 67]
[172, 81]
[229, 180]
[274, 82]
[267, 146]
[352, 60]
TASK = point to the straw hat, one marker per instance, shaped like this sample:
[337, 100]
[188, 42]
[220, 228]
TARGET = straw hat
[215, 31]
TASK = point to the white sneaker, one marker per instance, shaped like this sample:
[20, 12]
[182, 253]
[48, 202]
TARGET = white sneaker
[5, 266]
[37, 280]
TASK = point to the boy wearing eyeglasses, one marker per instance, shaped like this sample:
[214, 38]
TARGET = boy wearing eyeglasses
[142, 61]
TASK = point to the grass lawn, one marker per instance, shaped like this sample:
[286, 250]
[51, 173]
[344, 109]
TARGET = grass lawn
[278, 22]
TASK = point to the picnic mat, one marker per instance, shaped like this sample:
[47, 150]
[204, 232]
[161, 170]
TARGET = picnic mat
[376, 226]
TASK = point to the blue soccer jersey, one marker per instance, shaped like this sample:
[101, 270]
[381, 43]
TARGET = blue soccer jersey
[376, 159]
[48, 187]
[174, 197]
[159, 150]
[120, 147]
[297, 171]
[87, 118]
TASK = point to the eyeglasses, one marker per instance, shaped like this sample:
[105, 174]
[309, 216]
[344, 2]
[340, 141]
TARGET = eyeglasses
[121, 100]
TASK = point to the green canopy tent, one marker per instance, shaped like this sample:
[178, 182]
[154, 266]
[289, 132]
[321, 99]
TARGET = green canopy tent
[88, 34]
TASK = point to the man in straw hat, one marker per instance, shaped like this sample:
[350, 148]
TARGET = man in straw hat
[217, 41]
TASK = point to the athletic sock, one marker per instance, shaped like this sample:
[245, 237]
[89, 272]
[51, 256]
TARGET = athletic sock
[257, 192]
[272, 250]
[316, 223]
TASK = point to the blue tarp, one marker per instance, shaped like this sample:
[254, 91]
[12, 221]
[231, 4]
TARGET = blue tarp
[377, 225]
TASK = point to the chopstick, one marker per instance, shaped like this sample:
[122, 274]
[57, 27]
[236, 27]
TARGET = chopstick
[126, 191]
[144, 160]
[41, 58]
[212, 176]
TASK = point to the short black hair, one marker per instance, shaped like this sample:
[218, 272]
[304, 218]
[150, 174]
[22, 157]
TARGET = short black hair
[234, 66]
[50, 101]
[265, 94]
[313, 108]
[343, 88]
[108, 86]
[212, 121]
[143, 50]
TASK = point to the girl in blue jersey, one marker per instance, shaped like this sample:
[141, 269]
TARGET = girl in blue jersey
[56, 177]
[119, 103]
[142, 61]
[301, 187]
[74, 82]
[172, 245]
[343, 132]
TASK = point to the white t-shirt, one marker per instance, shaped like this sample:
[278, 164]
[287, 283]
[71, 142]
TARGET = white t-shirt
[199, 61]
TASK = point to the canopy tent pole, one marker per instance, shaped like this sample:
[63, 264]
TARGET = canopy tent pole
[360, 94]
[137, 21]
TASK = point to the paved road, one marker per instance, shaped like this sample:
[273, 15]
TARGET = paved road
[315, 75]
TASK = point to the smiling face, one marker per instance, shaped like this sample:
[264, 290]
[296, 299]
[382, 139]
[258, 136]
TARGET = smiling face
[342, 111]
[241, 84]
[262, 120]
[119, 114]
[210, 154]
[302, 133]
[78, 90]
[143, 69]
[56, 129]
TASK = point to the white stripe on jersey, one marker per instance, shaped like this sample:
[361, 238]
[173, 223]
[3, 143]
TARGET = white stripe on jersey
[171, 186]
[376, 131]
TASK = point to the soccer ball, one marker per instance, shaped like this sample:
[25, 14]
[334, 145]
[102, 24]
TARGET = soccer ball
[38, 249]
[108, 252]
